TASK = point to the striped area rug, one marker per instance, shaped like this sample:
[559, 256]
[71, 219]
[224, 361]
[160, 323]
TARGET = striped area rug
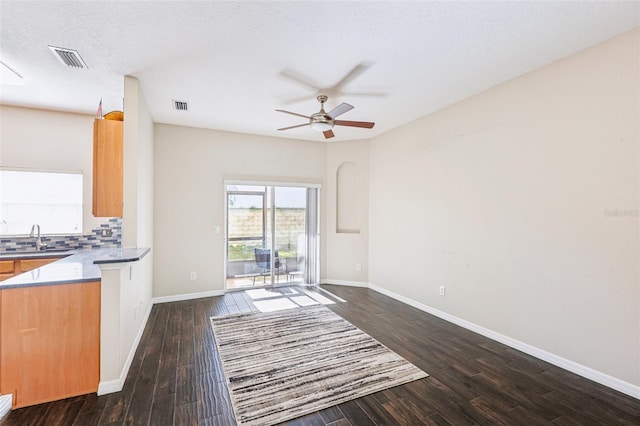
[283, 365]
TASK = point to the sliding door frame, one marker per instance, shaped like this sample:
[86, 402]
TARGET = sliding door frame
[315, 275]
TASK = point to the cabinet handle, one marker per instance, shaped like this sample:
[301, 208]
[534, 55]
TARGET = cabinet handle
[27, 330]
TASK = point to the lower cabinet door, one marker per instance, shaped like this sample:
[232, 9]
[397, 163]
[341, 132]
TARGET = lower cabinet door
[49, 342]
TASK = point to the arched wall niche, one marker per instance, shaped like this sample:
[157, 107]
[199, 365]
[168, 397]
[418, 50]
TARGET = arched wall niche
[347, 199]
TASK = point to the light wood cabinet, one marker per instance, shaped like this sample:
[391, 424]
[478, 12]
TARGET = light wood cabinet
[11, 268]
[7, 269]
[50, 342]
[30, 264]
[107, 168]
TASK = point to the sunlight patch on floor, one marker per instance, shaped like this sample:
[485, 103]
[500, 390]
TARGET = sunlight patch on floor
[263, 293]
[304, 301]
[276, 299]
[277, 304]
[320, 298]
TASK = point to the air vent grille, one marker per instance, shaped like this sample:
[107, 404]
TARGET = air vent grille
[180, 105]
[69, 57]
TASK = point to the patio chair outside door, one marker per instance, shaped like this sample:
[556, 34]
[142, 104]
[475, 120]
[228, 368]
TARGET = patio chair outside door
[263, 263]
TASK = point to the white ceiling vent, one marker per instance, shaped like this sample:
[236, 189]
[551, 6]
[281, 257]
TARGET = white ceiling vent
[180, 105]
[69, 57]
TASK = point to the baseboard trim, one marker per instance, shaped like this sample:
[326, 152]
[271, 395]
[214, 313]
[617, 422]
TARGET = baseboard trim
[5, 404]
[112, 386]
[116, 385]
[574, 367]
[187, 296]
[346, 283]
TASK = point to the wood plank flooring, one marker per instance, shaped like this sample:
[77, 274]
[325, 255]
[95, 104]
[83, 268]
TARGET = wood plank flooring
[176, 377]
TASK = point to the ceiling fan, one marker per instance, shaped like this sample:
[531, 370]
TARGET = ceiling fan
[324, 121]
[335, 90]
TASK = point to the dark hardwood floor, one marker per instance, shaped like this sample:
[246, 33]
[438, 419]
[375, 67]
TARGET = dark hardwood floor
[176, 377]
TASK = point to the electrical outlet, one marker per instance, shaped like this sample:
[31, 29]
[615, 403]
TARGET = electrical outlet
[358, 267]
[442, 290]
[107, 232]
[192, 277]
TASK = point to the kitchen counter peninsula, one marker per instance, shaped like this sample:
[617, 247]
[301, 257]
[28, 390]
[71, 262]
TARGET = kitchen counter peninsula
[76, 267]
[71, 327]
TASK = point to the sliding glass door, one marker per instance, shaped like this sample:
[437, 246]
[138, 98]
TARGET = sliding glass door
[271, 235]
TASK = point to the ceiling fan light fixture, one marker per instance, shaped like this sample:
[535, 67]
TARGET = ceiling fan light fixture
[321, 126]
[320, 121]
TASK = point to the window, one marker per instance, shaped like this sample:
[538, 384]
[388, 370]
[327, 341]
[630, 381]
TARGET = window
[52, 199]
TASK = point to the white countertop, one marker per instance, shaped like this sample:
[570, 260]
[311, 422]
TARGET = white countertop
[78, 266]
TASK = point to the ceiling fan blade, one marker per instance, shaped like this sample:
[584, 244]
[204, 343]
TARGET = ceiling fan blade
[294, 113]
[297, 100]
[298, 78]
[339, 110]
[328, 134]
[365, 94]
[356, 71]
[293, 127]
[364, 124]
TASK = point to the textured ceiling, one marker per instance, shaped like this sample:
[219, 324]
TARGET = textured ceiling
[227, 59]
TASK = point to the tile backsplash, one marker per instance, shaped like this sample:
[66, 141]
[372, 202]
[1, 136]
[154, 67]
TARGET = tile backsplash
[59, 242]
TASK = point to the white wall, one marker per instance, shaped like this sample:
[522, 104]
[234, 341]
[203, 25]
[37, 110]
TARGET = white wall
[40, 139]
[137, 218]
[127, 288]
[509, 199]
[345, 250]
[190, 167]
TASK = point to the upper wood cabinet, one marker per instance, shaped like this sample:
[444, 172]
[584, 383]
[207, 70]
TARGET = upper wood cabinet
[107, 168]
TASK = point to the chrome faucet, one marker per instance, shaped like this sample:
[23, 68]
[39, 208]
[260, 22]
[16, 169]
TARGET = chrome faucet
[39, 245]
